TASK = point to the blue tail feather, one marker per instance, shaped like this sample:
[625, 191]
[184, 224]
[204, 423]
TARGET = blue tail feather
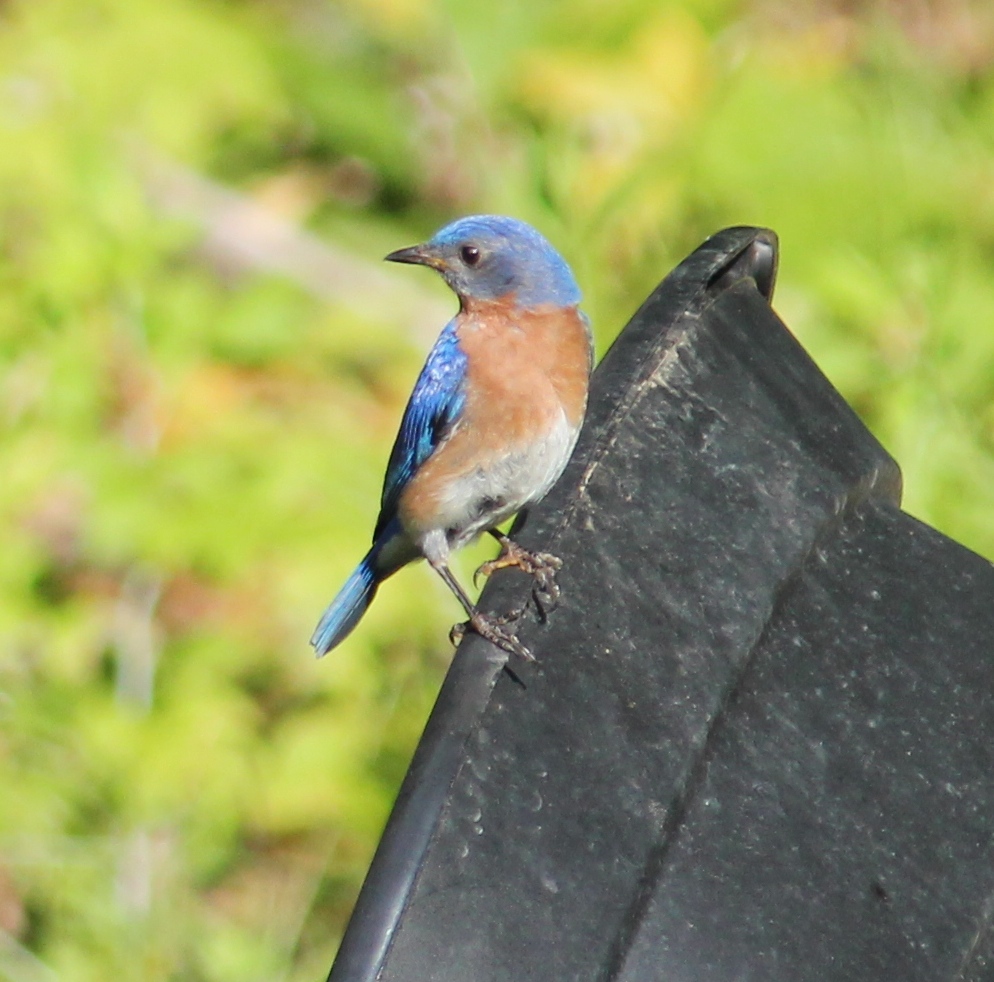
[346, 610]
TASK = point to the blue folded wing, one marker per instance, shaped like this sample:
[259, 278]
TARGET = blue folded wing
[434, 407]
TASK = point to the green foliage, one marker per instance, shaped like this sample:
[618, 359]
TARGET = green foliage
[202, 368]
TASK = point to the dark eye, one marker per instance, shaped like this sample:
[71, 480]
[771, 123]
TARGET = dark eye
[470, 255]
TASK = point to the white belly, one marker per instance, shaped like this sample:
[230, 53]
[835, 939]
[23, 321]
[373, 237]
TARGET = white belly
[488, 495]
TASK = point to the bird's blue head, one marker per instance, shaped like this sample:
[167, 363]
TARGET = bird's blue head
[492, 257]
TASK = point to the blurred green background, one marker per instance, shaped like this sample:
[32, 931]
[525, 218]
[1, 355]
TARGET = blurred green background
[203, 363]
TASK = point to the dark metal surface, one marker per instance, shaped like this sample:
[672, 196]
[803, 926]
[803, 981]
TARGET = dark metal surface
[757, 743]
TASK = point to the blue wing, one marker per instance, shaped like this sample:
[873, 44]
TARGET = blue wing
[434, 406]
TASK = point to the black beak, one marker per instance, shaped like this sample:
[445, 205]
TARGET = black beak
[417, 255]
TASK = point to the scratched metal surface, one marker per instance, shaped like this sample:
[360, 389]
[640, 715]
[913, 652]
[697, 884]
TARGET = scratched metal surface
[757, 740]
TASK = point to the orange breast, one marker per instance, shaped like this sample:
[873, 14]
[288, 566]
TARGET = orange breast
[525, 370]
[517, 357]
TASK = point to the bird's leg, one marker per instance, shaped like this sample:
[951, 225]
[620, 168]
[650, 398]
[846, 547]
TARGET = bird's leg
[489, 626]
[542, 566]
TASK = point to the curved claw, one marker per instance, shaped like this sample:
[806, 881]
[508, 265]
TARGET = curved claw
[494, 629]
[543, 566]
[546, 590]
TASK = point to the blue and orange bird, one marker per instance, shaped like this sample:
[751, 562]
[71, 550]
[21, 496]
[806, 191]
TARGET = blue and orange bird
[491, 423]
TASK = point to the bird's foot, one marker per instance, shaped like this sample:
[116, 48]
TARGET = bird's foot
[541, 566]
[495, 629]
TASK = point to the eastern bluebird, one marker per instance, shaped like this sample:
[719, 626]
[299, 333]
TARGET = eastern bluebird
[492, 420]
